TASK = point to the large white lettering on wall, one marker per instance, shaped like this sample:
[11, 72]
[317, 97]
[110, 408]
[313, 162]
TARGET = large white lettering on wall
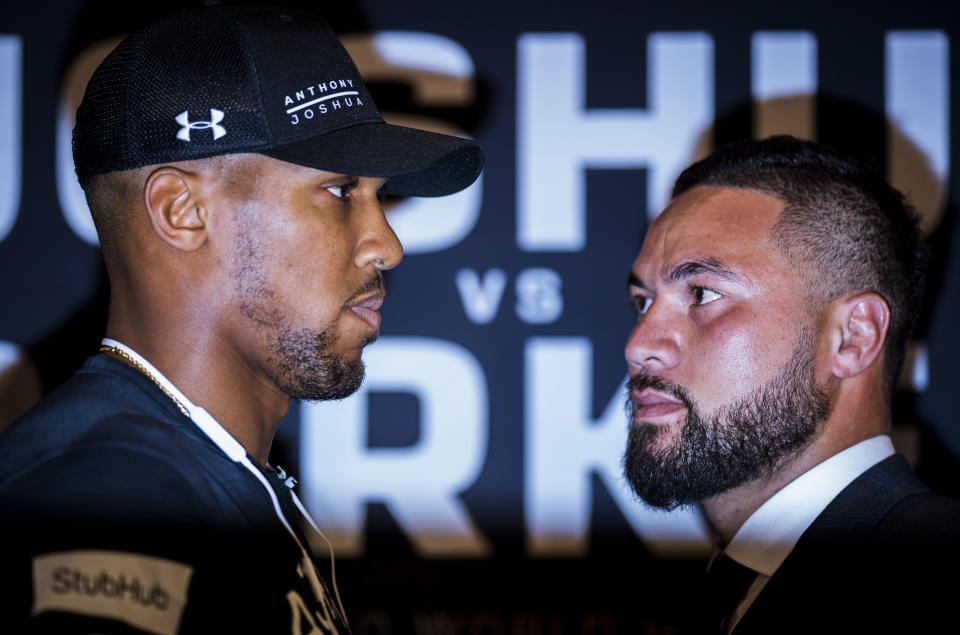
[558, 138]
[11, 97]
[783, 83]
[424, 225]
[441, 73]
[564, 445]
[539, 295]
[420, 484]
[481, 295]
[917, 103]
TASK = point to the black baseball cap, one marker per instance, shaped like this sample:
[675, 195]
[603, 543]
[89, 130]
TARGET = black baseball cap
[220, 80]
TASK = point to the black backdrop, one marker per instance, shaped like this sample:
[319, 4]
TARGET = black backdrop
[473, 485]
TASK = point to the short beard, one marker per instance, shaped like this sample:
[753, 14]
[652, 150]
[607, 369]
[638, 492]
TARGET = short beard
[305, 370]
[742, 442]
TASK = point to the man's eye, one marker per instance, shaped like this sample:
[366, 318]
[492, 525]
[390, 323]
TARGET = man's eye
[702, 295]
[641, 303]
[342, 190]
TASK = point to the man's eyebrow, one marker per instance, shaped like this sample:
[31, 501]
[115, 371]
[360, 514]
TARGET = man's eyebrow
[691, 268]
[634, 281]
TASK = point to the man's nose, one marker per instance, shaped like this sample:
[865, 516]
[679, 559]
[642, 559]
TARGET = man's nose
[379, 244]
[655, 342]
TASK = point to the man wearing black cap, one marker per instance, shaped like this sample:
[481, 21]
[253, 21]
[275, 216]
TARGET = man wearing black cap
[233, 161]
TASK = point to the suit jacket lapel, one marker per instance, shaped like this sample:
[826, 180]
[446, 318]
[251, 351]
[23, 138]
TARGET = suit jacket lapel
[824, 562]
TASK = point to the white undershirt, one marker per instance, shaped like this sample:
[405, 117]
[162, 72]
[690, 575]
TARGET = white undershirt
[771, 532]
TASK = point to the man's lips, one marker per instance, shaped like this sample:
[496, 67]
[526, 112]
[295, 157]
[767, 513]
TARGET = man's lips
[650, 404]
[368, 309]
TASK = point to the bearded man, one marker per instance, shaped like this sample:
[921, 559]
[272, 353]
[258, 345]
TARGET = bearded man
[234, 162]
[775, 298]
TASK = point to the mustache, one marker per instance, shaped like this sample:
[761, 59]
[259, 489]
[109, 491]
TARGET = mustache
[374, 283]
[643, 381]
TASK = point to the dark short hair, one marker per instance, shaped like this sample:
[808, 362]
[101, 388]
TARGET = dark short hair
[843, 226]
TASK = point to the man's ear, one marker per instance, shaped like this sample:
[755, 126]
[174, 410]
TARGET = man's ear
[860, 325]
[176, 212]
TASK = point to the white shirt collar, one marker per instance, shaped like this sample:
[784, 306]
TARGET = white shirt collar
[204, 420]
[770, 533]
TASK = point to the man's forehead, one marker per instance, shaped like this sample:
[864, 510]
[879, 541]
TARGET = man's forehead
[724, 210]
[726, 227]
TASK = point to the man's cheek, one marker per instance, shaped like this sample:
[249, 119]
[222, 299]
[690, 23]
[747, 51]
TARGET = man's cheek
[734, 349]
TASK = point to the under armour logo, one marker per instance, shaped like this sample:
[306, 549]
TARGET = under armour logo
[216, 116]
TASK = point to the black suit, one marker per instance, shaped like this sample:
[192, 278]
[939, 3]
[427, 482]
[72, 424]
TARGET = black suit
[883, 557]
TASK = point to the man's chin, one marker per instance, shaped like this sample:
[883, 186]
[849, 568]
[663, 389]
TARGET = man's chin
[650, 468]
[657, 437]
[335, 377]
[343, 382]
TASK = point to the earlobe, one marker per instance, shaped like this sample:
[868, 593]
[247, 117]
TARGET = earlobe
[176, 212]
[863, 321]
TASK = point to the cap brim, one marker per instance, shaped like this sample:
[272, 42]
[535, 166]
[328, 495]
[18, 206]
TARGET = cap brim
[415, 162]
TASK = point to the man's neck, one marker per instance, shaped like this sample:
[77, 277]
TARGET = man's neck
[728, 511]
[215, 377]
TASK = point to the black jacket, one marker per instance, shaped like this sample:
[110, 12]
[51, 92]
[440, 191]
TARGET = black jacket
[881, 558]
[118, 511]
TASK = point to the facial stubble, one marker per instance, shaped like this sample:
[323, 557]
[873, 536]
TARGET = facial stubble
[306, 370]
[741, 442]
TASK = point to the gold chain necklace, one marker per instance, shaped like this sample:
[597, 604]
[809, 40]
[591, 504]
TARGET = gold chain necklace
[122, 354]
